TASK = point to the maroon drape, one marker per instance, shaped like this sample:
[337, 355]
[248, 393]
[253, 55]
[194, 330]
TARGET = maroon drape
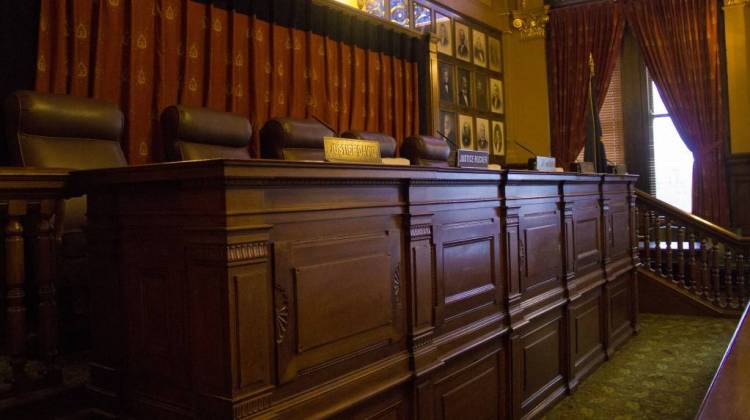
[259, 62]
[574, 33]
[680, 42]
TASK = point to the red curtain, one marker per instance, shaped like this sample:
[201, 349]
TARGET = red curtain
[261, 59]
[574, 33]
[680, 42]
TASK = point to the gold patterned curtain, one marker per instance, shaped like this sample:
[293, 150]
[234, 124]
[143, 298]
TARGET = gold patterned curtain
[261, 59]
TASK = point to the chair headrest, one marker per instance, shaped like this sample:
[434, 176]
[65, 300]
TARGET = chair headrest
[282, 134]
[426, 150]
[387, 143]
[63, 116]
[203, 125]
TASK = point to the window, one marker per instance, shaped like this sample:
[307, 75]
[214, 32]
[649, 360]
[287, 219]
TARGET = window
[673, 162]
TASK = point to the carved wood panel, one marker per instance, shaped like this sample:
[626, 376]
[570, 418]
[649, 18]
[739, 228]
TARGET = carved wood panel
[586, 334]
[539, 248]
[341, 300]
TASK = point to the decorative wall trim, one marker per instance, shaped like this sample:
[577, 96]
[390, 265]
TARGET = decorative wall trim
[282, 313]
[246, 409]
[247, 251]
[420, 231]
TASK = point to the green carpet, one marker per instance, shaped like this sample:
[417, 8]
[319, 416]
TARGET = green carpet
[662, 373]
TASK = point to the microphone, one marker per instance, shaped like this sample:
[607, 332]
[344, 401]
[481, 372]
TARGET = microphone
[454, 146]
[324, 123]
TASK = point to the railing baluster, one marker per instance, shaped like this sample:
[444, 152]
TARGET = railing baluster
[731, 298]
[14, 282]
[692, 263]
[705, 273]
[741, 280]
[646, 240]
[681, 256]
[669, 272]
[659, 253]
[715, 277]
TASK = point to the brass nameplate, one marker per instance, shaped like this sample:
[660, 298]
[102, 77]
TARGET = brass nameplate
[351, 151]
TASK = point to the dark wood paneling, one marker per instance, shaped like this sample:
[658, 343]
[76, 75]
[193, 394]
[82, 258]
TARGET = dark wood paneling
[538, 365]
[739, 189]
[405, 291]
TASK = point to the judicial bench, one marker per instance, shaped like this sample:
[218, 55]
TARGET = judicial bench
[232, 289]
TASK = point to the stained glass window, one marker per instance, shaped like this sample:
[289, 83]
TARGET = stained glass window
[400, 12]
[422, 18]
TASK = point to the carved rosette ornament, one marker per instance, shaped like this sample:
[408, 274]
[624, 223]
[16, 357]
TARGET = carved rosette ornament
[532, 23]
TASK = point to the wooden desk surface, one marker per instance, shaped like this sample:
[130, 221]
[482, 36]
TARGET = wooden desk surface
[728, 396]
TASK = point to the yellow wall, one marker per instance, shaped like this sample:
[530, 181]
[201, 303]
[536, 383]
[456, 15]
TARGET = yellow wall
[737, 27]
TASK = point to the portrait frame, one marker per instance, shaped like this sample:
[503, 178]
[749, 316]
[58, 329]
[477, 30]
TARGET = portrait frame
[464, 92]
[481, 92]
[466, 132]
[449, 117]
[447, 94]
[444, 25]
[494, 54]
[498, 145]
[463, 42]
[479, 48]
[497, 102]
[483, 134]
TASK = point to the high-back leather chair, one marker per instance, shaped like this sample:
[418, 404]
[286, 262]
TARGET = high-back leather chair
[387, 143]
[57, 131]
[193, 133]
[426, 151]
[293, 139]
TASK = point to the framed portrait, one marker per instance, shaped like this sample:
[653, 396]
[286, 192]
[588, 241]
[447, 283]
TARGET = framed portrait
[483, 134]
[466, 131]
[444, 31]
[498, 138]
[422, 18]
[496, 96]
[481, 92]
[463, 87]
[479, 44]
[463, 42]
[495, 56]
[447, 126]
[447, 82]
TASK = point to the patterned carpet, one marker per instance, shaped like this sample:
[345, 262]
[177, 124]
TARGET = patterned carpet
[662, 373]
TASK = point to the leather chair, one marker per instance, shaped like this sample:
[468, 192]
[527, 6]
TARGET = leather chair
[193, 133]
[426, 151]
[57, 131]
[387, 143]
[293, 139]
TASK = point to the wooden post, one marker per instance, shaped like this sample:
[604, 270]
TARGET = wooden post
[741, 279]
[15, 323]
[659, 253]
[669, 271]
[692, 263]
[705, 273]
[681, 257]
[45, 279]
[715, 270]
[646, 239]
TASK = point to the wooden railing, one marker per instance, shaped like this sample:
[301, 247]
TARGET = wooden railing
[29, 203]
[704, 259]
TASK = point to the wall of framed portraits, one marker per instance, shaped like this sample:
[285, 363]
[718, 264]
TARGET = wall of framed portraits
[470, 100]
[469, 104]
